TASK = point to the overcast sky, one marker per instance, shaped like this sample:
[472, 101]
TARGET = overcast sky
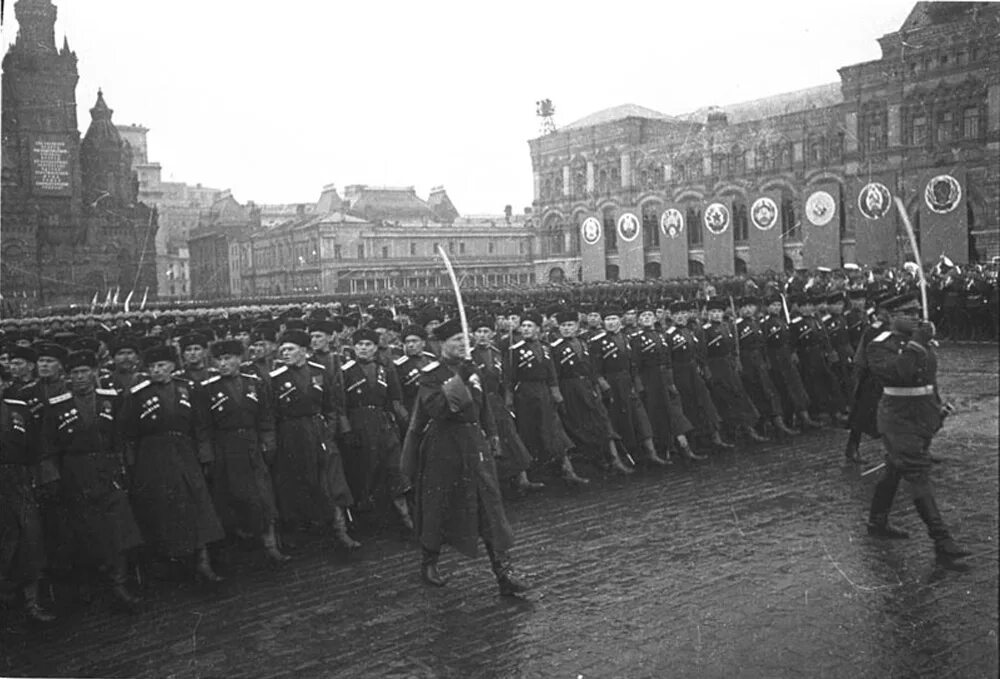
[274, 100]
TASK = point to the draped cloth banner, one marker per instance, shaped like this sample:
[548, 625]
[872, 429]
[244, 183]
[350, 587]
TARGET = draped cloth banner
[630, 255]
[718, 239]
[872, 219]
[592, 241]
[766, 251]
[943, 216]
[674, 242]
[821, 226]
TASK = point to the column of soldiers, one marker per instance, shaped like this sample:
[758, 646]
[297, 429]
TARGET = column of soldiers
[153, 443]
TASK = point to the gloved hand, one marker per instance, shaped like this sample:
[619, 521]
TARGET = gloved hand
[924, 333]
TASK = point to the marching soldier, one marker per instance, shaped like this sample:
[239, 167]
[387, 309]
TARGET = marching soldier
[756, 374]
[458, 494]
[263, 351]
[236, 437]
[168, 490]
[81, 439]
[194, 355]
[863, 406]
[415, 356]
[124, 373]
[909, 414]
[310, 487]
[784, 361]
[815, 357]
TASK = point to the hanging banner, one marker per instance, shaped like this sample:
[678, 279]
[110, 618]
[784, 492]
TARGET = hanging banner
[766, 250]
[944, 227]
[872, 218]
[592, 249]
[718, 239]
[630, 255]
[673, 243]
[821, 226]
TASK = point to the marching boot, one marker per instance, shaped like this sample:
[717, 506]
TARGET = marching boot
[719, 443]
[945, 548]
[750, 433]
[781, 427]
[429, 568]
[203, 567]
[123, 598]
[808, 422]
[32, 609]
[274, 555]
[524, 484]
[340, 530]
[851, 451]
[878, 512]
[570, 476]
[507, 580]
[651, 456]
[403, 510]
[616, 461]
[685, 448]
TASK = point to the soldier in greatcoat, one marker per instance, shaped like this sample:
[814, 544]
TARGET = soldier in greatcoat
[81, 439]
[310, 487]
[236, 435]
[784, 362]
[867, 390]
[449, 454]
[910, 412]
[756, 373]
[169, 494]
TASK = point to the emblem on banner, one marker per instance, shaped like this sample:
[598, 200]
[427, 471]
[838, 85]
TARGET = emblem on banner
[764, 213]
[717, 218]
[672, 223]
[943, 194]
[591, 230]
[874, 200]
[820, 208]
[628, 227]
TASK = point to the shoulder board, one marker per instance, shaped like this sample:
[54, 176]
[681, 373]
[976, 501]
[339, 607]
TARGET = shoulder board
[278, 371]
[876, 324]
[597, 336]
[207, 382]
[707, 326]
[60, 398]
[249, 376]
[30, 384]
[136, 388]
[316, 365]
[348, 364]
[177, 373]
[492, 346]
[246, 364]
[882, 336]
[401, 360]
[516, 344]
[826, 318]
[107, 392]
[430, 354]
[14, 402]
[430, 366]
[796, 319]
[739, 320]
[558, 342]
[182, 378]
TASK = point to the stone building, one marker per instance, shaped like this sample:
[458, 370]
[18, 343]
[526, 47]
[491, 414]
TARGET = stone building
[73, 225]
[796, 180]
[214, 272]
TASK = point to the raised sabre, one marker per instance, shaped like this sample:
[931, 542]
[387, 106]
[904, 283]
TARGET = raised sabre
[458, 300]
[916, 254]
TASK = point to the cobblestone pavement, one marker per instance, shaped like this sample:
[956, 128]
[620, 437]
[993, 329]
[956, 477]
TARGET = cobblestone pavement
[753, 564]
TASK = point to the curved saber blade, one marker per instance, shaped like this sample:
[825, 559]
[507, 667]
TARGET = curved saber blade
[916, 254]
[458, 300]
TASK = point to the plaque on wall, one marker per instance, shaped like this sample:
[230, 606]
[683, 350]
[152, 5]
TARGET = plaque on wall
[717, 218]
[50, 165]
[628, 227]
[942, 194]
[672, 223]
[764, 213]
[590, 230]
[874, 200]
[820, 208]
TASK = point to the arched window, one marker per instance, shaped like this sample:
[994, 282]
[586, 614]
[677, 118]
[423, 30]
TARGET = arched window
[611, 272]
[610, 234]
[651, 270]
[790, 228]
[695, 268]
[692, 222]
[680, 175]
[739, 266]
[651, 225]
[741, 230]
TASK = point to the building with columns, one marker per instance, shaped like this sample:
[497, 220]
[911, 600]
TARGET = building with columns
[801, 179]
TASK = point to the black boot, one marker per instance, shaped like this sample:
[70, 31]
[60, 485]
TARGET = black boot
[878, 513]
[807, 422]
[203, 568]
[523, 484]
[781, 427]
[340, 530]
[719, 443]
[403, 510]
[878, 527]
[851, 451]
[124, 600]
[570, 476]
[507, 580]
[945, 548]
[429, 568]
[750, 433]
[32, 609]
[274, 555]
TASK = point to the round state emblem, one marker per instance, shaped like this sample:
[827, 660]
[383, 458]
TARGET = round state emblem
[764, 213]
[943, 194]
[672, 222]
[590, 230]
[628, 227]
[717, 218]
[874, 200]
[820, 208]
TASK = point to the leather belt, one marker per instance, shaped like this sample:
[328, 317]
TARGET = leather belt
[925, 390]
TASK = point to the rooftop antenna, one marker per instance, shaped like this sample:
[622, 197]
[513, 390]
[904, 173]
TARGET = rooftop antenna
[546, 111]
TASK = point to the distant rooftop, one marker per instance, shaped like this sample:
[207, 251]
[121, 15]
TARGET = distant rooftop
[614, 113]
[819, 96]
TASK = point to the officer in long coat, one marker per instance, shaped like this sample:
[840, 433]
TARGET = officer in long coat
[784, 362]
[169, 495]
[816, 357]
[756, 374]
[450, 449]
[909, 414]
[310, 487]
[81, 439]
[730, 398]
[236, 435]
